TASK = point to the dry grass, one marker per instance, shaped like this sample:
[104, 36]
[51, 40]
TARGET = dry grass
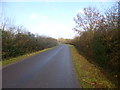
[88, 74]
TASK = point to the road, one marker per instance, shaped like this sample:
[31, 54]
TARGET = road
[49, 69]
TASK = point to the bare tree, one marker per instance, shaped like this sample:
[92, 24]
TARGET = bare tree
[88, 20]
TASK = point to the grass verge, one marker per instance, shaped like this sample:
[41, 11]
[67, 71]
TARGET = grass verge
[15, 59]
[88, 74]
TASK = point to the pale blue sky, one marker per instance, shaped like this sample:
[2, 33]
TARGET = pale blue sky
[53, 19]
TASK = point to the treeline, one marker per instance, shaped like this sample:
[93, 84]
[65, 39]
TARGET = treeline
[16, 41]
[99, 38]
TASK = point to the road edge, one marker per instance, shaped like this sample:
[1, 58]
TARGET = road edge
[22, 57]
[88, 77]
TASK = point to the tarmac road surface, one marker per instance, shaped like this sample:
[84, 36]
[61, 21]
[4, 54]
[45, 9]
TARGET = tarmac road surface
[49, 69]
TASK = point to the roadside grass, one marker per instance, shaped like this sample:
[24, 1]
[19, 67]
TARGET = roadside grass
[15, 59]
[89, 75]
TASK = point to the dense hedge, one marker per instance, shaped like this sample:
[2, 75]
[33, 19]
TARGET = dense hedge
[100, 40]
[15, 44]
[103, 48]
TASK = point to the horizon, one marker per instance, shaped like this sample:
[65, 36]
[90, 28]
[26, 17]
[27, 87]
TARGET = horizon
[53, 19]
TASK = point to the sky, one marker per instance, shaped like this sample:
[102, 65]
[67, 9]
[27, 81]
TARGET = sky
[54, 19]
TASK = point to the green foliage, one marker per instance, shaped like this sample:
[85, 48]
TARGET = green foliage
[22, 57]
[88, 74]
[99, 50]
[101, 43]
[64, 41]
[16, 44]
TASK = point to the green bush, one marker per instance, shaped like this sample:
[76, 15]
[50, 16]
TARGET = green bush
[16, 44]
[100, 40]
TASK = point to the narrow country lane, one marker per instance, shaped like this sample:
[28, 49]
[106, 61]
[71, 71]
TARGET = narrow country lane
[49, 69]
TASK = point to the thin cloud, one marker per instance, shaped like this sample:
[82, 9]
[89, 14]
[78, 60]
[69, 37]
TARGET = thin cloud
[44, 17]
[47, 28]
[37, 16]
[33, 16]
